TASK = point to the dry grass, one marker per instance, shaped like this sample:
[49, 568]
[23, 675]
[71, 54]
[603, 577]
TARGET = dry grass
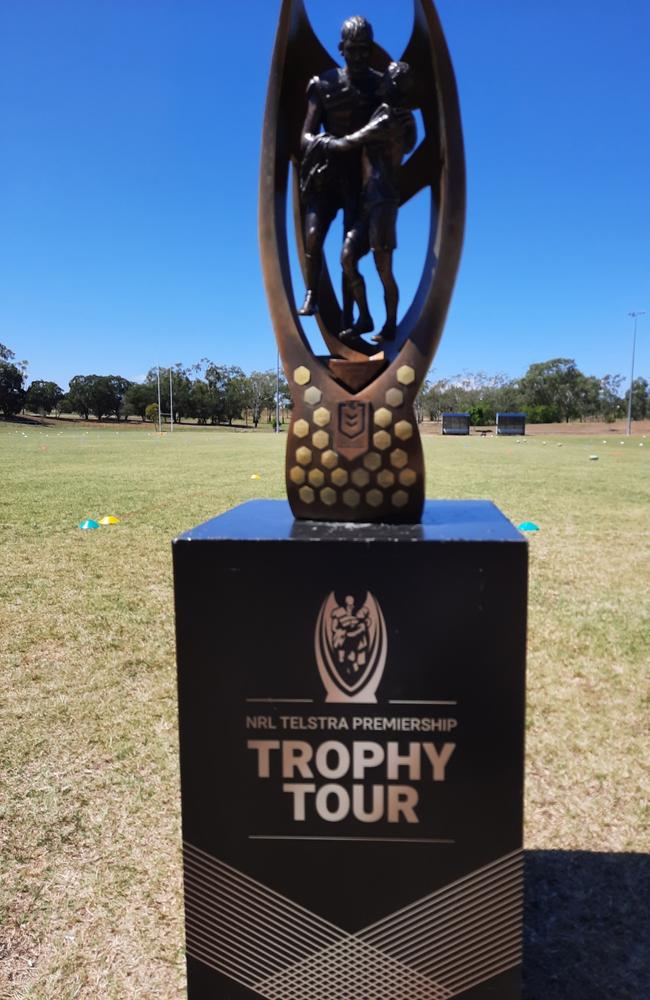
[90, 818]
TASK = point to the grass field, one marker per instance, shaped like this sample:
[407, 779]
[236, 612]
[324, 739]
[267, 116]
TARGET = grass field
[90, 807]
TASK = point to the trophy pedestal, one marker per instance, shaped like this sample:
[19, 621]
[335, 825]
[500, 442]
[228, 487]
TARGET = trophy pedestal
[351, 704]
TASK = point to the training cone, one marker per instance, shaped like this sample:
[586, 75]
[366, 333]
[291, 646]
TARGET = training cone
[109, 519]
[255, 476]
[593, 458]
[528, 526]
[88, 524]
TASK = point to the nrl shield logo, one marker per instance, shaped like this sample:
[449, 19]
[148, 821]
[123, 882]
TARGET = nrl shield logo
[351, 646]
[352, 419]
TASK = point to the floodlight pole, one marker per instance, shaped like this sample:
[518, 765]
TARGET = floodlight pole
[171, 404]
[277, 395]
[159, 404]
[634, 316]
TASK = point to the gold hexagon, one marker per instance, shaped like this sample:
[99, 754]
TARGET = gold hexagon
[302, 375]
[383, 417]
[316, 477]
[375, 498]
[329, 459]
[322, 416]
[386, 478]
[301, 428]
[394, 397]
[360, 477]
[400, 498]
[297, 475]
[313, 395]
[403, 430]
[351, 498]
[328, 496]
[407, 477]
[381, 440]
[320, 439]
[372, 461]
[398, 458]
[405, 375]
[306, 494]
[339, 477]
[303, 456]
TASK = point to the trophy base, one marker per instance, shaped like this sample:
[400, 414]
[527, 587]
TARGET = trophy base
[351, 705]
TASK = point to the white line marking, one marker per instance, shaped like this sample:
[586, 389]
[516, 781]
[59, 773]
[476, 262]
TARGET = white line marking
[366, 840]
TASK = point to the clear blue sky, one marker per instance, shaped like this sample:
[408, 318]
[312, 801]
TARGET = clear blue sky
[130, 133]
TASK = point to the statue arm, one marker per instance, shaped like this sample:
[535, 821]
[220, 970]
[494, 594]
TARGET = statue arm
[373, 132]
[313, 118]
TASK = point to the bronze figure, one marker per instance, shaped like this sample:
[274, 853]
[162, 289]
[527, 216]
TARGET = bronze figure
[354, 452]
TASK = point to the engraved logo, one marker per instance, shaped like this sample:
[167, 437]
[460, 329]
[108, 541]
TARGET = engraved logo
[351, 645]
[352, 419]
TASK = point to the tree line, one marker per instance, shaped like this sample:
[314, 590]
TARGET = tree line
[550, 392]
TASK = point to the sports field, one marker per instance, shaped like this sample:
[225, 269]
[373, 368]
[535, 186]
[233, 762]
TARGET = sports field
[89, 821]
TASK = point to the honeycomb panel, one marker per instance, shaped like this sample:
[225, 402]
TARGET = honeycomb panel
[360, 477]
[320, 439]
[375, 498]
[405, 375]
[383, 417]
[313, 395]
[339, 477]
[301, 428]
[322, 416]
[329, 459]
[302, 375]
[386, 478]
[394, 397]
[407, 477]
[316, 477]
[404, 430]
[381, 440]
[372, 461]
[398, 458]
[306, 494]
[328, 496]
[352, 498]
[297, 475]
[303, 456]
[400, 498]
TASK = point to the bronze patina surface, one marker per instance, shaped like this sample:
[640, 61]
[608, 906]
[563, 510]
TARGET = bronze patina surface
[354, 451]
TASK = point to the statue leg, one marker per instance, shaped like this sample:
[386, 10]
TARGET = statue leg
[384, 263]
[317, 223]
[357, 287]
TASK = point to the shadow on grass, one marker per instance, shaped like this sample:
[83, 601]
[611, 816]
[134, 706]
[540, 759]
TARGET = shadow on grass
[587, 926]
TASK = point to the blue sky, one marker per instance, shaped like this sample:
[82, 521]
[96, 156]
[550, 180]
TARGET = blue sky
[129, 173]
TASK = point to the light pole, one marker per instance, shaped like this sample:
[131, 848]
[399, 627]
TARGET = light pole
[171, 404]
[634, 316]
[277, 396]
[159, 405]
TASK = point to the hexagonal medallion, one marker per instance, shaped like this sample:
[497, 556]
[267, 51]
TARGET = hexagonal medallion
[407, 477]
[394, 397]
[316, 477]
[398, 458]
[351, 498]
[360, 477]
[320, 439]
[303, 456]
[383, 417]
[306, 494]
[297, 475]
[313, 395]
[386, 478]
[375, 498]
[301, 428]
[322, 416]
[403, 430]
[301, 375]
[339, 477]
[405, 375]
[372, 461]
[329, 459]
[381, 440]
[400, 498]
[328, 496]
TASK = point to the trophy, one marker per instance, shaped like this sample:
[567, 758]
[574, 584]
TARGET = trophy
[348, 137]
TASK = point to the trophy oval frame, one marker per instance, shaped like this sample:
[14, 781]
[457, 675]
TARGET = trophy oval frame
[438, 163]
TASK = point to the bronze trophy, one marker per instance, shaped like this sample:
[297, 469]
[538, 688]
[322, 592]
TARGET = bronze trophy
[354, 451]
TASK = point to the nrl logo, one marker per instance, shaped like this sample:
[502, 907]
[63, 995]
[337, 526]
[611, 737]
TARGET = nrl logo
[351, 645]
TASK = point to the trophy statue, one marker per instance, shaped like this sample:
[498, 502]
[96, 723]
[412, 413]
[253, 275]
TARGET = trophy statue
[352, 775]
[349, 133]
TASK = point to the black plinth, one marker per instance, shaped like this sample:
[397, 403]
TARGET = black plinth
[351, 729]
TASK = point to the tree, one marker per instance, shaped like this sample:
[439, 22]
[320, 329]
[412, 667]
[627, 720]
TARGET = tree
[202, 401]
[640, 399]
[262, 389]
[137, 398]
[97, 394]
[553, 384]
[43, 396]
[228, 383]
[610, 404]
[12, 394]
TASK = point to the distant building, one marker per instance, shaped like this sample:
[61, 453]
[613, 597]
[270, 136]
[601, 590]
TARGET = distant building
[511, 423]
[455, 423]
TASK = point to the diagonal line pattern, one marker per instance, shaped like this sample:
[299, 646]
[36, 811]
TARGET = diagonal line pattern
[433, 949]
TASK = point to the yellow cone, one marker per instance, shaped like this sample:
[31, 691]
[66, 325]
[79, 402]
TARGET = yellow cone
[255, 476]
[109, 519]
